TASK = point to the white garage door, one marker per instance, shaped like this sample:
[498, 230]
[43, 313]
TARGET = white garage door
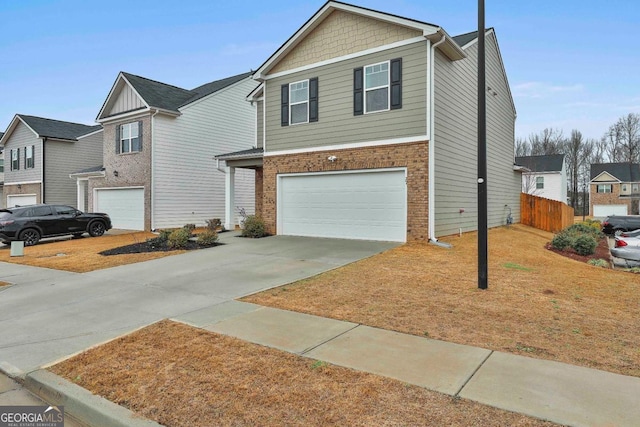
[366, 205]
[125, 207]
[607, 210]
[21, 200]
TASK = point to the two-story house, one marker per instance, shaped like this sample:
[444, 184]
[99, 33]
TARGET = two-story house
[367, 129]
[546, 176]
[40, 153]
[614, 189]
[1, 171]
[159, 141]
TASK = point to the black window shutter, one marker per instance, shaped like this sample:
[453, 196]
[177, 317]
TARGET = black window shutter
[313, 99]
[396, 83]
[25, 158]
[358, 100]
[140, 135]
[117, 139]
[33, 156]
[284, 105]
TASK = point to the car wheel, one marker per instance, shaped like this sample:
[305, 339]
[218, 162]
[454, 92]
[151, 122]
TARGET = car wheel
[96, 228]
[29, 236]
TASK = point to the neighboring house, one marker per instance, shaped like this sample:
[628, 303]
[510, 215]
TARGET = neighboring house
[614, 189]
[1, 172]
[546, 176]
[40, 153]
[159, 142]
[367, 129]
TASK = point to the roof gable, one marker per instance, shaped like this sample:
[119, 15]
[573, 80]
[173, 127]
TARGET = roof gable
[623, 172]
[419, 28]
[50, 128]
[548, 163]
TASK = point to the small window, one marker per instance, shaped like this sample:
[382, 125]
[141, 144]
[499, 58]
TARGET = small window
[636, 188]
[130, 138]
[15, 160]
[376, 87]
[29, 162]
[624, 188]
[540, 183]
[604, 188]
[64, 210]
[40, 211]
[299, 102]
[1, 165]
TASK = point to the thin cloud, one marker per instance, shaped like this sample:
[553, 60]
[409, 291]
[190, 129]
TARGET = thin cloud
[542, 89]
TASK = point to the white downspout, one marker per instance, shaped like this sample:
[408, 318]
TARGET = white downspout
[153, 167]
[431, 132]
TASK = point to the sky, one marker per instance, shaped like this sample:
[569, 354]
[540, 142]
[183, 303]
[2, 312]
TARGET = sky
[570, 64]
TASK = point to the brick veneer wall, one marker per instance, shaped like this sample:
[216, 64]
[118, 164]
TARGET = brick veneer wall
[612, 198]
[13, 190]
[413, 156]
[258, 191]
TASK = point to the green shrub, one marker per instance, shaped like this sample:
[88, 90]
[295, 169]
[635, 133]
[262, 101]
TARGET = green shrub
[561, 241]
[598, 263]
[207, 238]
[178, 238]
[161, 239]
[585, 244]
[214, 223]
[189, 227]
[583, 228]
[253, 227]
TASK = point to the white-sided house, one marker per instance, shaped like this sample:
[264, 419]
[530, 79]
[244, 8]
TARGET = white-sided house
[159, 142]
[40, 155]
[367, 129]
[544, 176]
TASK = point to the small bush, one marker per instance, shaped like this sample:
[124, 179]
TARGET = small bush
[178, 238]
[189, 227]
[583, 228]
[161, 239]
[253, 227]
[585, 245]
[214, 223]
[598, 263]
[207, 238]
[561, 241]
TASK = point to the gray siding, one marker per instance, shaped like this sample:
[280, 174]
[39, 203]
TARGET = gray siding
[187, 187]
[259, 123]
[456, 143]
[127, 100]
[21, 137]
[337, 124]
[63, 158]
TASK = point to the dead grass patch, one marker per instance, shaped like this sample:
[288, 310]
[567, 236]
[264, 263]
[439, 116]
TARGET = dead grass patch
[538, 304]
[82, 255]
[178, 375]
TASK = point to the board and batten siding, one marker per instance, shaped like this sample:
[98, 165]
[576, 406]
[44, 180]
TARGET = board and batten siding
[22, 137]
[336, 123]
[456, 143]
[127, 100]
[187, 186]
[64, 158]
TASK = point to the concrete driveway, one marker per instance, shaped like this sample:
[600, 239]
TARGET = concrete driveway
[48, 315]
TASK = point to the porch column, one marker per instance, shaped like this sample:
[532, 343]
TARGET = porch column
[229, 198]
[80, 187]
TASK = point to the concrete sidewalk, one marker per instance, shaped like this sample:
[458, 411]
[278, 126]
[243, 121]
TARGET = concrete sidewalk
[553, 391]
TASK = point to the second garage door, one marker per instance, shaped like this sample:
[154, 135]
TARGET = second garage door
[365, 205]
[608, 210]
[125, 207]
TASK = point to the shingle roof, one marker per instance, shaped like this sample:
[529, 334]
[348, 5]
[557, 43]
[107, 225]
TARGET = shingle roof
[56, 128]
[168, 97]
[91, 169]
[251, 153]
[548, 163]
[625, 172]
[463, 39]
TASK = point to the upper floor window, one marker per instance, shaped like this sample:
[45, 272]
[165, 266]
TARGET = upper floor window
[604, 188]
[540, 182]
[377, 87]
[636, 188]
[129, 137]
[29, 161]
[15, 159]
[1, 165]
[299, 102]
[624, 188]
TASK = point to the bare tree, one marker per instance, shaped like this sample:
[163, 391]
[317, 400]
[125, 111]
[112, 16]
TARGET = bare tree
[577, 154]
[522, 147]
[623, 139]
[549, 141]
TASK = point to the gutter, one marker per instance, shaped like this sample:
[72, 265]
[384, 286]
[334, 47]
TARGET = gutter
[42, 184]
[152, 170]
[431, 49]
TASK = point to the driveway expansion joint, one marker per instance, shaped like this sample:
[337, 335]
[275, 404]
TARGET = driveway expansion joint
[457, 394]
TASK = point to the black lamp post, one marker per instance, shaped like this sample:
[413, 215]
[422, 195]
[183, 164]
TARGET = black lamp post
[482, 156]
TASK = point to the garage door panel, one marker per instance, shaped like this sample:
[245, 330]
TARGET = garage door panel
[125, 207]
[367, 205]
[607, 210]
[21, 200]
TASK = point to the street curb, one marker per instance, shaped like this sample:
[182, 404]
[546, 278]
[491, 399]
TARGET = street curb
[80, 403]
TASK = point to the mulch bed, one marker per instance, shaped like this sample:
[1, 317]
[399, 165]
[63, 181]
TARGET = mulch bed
[144, 247]
[602, 252]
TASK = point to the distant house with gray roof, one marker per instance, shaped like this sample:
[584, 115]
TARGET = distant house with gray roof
[614, 189]
[40, 153]
[544, 176]
[156, 170]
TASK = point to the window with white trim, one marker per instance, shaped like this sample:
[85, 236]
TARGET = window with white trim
[604, 188]
[299, 102]
[15, 159]
[130, 138]
[376, 87]
[539, 182]
[29, 162]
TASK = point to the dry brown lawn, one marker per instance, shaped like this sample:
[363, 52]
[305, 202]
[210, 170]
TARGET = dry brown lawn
[182, 376]
[82, 255]
[538, 304]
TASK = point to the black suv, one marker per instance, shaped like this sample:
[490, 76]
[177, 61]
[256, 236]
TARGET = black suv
[617, 224]
[31, 223]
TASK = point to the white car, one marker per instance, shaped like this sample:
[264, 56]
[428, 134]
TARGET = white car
[628, 256]
[622, 242]
[634, 233]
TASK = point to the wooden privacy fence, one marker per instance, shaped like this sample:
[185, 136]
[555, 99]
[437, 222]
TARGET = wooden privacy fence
[545, 214]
